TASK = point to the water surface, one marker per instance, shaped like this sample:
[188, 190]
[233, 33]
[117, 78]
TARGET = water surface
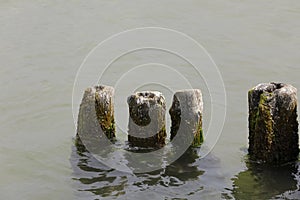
[43, 44]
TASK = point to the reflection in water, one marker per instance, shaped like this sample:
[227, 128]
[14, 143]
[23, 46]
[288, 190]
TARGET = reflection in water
[94, 176]
[176, 174]
[187, 178]
[93, 179]
[183, 168]
[267, 182]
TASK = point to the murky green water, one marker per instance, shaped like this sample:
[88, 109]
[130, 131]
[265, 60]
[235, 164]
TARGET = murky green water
[43, 44]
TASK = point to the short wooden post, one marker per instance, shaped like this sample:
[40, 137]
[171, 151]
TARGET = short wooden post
[273, 125]
[96, 116]
[147, 124]
[186, 115]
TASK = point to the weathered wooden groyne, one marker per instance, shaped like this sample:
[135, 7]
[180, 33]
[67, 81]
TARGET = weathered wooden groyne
[273, 125]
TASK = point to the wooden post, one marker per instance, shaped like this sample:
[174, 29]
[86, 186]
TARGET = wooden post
[147, 124]
[96, 116]
[273, 125]
[186, 115]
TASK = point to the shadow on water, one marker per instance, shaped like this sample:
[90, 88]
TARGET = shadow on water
[268, 182]
[94, 180]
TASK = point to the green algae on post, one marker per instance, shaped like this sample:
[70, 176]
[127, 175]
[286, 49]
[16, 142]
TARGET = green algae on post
[96, 117]
[147, 124]
[186, 115]
[105, 110]
[273, 125]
